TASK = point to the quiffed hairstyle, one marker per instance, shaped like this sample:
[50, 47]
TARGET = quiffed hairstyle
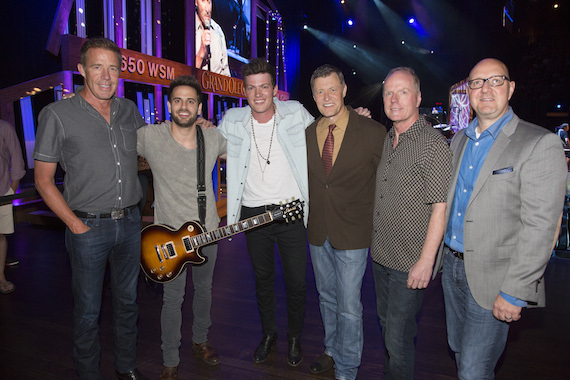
[186, 80]
[408, 70]
[259, 66]
[324, 71]
[102, 43]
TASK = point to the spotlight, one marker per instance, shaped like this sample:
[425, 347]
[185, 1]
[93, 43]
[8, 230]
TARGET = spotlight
[350, 22]
[411, 20]
[342, 1]
[354, 46]
[431, 52]
[558, 106]
[305, 26]
[403, 42]
[555, 6]
[353, 72]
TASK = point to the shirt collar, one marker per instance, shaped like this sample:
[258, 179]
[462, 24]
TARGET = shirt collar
[341, 123]
[413, 132]
[493, 130]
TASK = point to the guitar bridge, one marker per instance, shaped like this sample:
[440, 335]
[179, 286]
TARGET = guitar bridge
[158, 250]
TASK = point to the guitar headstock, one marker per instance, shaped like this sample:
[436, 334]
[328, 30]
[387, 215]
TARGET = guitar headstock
[289, 211]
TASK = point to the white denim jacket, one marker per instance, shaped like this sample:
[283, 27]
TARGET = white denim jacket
[292, 120]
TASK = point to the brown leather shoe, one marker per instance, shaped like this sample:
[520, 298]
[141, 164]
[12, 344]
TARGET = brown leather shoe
[169, 373]
[207, 353]
[322, 364]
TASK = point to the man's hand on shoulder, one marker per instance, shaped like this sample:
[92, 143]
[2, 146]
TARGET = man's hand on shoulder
[505, 311]
[205, 123]
[363, 112]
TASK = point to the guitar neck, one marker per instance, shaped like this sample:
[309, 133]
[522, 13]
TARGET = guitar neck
[213, 236]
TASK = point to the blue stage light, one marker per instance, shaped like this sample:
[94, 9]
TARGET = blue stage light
[411, 20]
[350, 22]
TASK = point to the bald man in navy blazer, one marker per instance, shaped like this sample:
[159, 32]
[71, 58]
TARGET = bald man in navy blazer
[503, 209]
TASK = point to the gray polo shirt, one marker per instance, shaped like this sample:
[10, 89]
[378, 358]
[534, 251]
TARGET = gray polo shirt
[99, 160]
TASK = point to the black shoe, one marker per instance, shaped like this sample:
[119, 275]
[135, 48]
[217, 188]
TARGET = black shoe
[294, 353]
[263, 350]
[323, 364]
[131, 375]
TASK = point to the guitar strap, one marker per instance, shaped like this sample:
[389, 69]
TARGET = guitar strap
[201, 170]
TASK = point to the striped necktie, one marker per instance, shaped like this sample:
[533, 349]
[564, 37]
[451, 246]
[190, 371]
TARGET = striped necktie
[328, 149]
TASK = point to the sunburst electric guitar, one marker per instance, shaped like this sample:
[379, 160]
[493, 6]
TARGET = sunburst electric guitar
[165, 252]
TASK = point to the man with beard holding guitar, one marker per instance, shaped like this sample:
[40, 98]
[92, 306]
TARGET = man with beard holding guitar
[171, 151]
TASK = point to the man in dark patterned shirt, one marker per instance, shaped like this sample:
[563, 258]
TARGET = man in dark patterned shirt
[409, 217]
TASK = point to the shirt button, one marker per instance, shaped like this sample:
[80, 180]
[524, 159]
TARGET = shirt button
[464, 190]
[118, 163]
[458, 214]
[476, 144]
[471, 167]
[114, 145]
[119, 181]
[454, 237]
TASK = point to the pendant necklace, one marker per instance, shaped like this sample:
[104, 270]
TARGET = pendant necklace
[267, 162]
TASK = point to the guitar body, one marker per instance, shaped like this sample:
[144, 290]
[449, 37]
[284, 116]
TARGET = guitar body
[165, 251]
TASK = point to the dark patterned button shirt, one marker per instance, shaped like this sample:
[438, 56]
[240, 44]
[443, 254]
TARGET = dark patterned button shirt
[410, 178]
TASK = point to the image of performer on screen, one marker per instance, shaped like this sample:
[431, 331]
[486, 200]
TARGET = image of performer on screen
[211, 50]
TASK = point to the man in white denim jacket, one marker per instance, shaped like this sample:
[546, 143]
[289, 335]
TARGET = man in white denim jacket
[266, 164]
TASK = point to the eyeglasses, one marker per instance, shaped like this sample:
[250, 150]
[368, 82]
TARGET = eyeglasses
[494, 81]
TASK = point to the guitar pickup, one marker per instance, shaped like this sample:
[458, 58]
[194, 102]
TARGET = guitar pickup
[170, 251]
[187, 244]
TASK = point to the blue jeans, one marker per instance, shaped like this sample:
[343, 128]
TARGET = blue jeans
[171, 315]
[338, 276]
[117, 242]
[397, 308]
[475, 336]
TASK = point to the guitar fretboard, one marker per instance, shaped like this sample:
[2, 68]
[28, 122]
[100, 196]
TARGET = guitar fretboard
[226, 231]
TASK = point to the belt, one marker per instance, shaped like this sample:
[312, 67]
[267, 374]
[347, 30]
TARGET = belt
[455, 253]
[115, 214]
[262, 208]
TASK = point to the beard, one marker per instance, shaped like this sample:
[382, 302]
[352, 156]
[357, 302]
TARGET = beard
[184, 124]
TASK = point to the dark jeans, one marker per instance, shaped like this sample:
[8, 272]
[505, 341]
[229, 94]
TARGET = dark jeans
[291, 239]
[119, 243]
[397, 307]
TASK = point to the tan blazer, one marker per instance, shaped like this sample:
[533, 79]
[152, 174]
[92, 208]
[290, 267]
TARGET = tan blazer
[513, 212]
[341, 205]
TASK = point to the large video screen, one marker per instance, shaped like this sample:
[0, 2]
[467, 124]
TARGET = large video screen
[223, 35]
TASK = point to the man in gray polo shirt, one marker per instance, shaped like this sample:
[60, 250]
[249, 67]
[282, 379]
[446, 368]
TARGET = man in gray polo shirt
[93, 137]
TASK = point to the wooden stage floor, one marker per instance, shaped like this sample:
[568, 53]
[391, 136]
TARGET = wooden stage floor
[36, 323]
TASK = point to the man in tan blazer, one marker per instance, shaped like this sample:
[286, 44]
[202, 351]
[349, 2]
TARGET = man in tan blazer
[343, 151]
[504, 203]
